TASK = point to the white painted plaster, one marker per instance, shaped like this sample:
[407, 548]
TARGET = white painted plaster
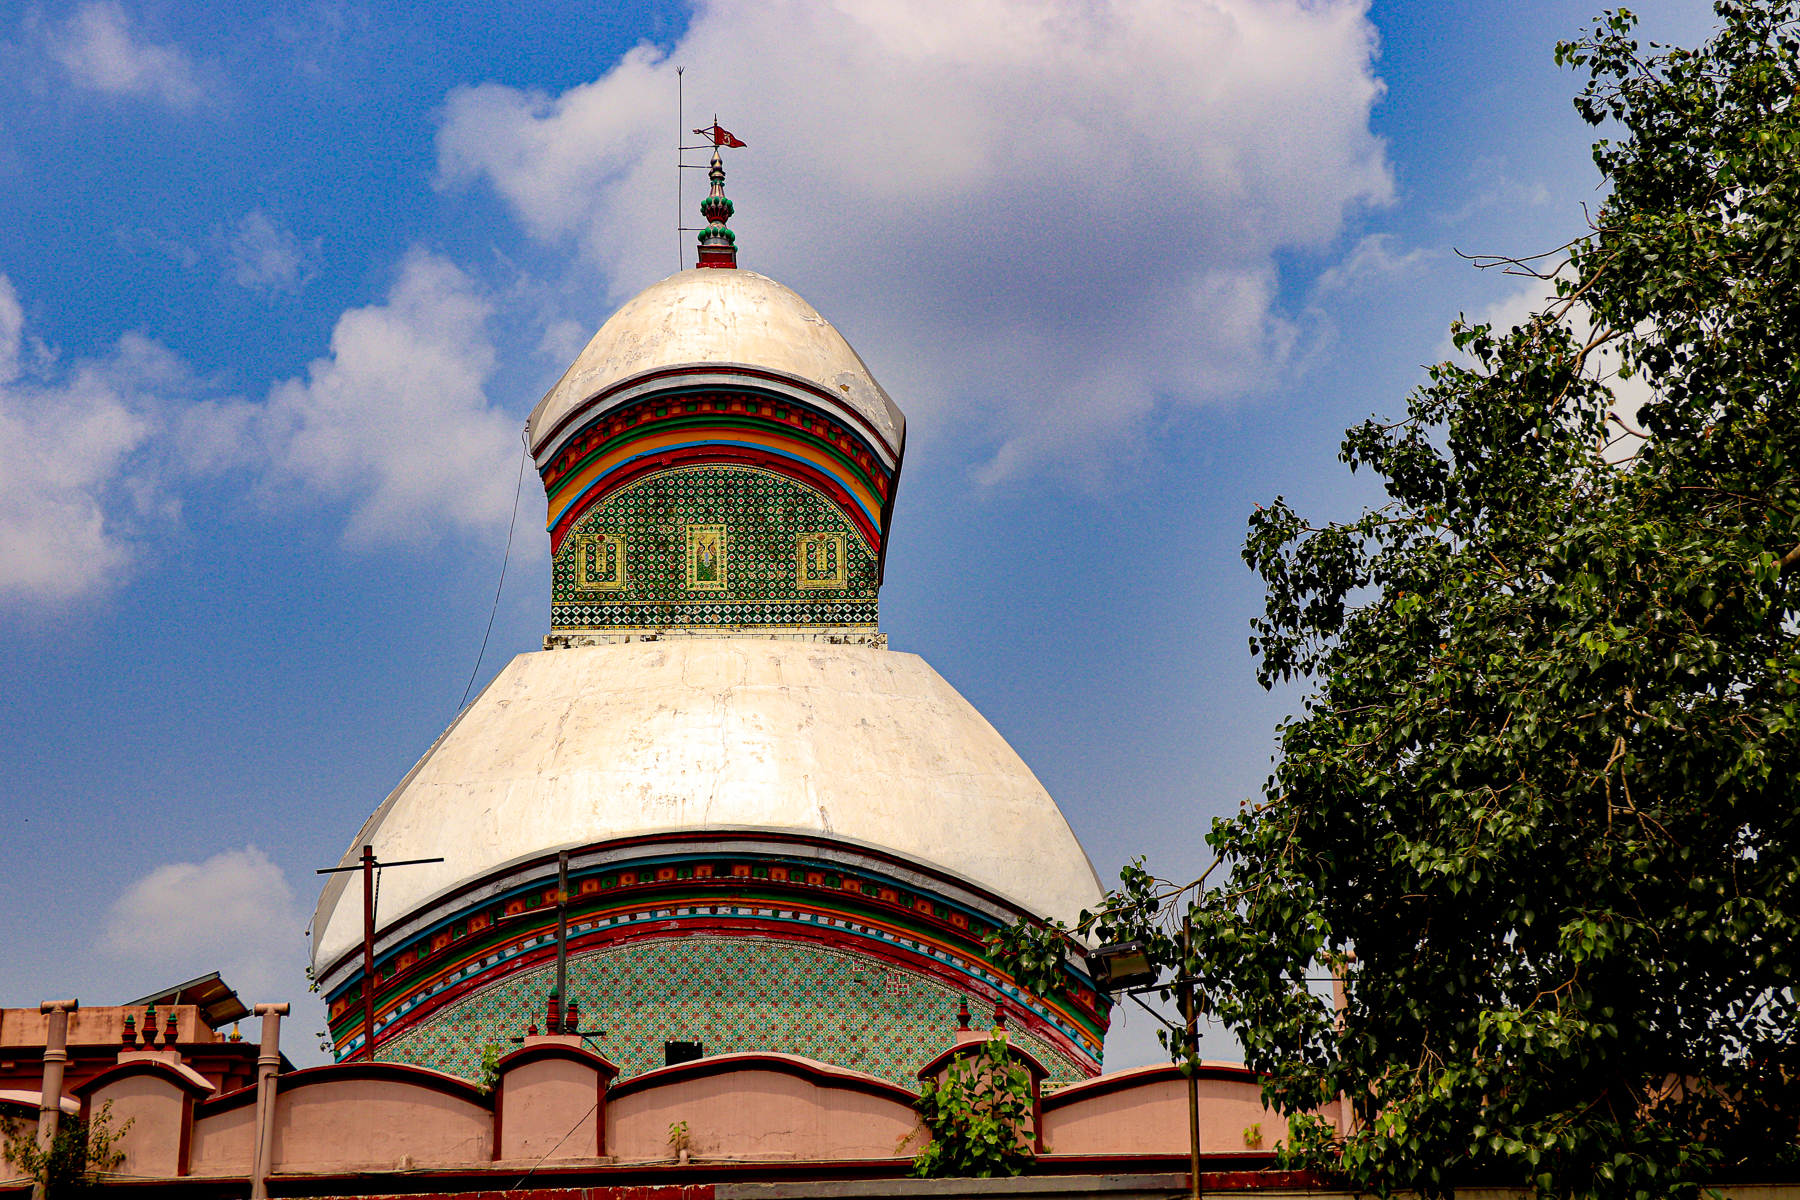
[716, 316]
[574, 746]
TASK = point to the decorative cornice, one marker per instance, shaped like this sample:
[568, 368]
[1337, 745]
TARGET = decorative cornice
[539, 1051]
[846, 854]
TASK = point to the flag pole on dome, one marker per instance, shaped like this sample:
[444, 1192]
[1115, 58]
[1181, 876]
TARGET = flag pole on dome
[717, 242]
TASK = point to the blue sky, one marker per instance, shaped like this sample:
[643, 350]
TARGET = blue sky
[282, 285]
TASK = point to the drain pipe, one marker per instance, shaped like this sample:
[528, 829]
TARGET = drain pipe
[268, 1064]
[56, 1056]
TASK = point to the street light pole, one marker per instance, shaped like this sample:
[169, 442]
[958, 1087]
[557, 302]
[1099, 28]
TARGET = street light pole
[1191, 1012]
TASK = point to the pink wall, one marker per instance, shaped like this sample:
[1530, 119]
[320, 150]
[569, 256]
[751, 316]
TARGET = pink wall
[552, 1106]
[761, 1106]
[375, 1124]
[157, 1109]
[223, 1141]
[770, 1107]
[1145, 1111]
[100, 1026]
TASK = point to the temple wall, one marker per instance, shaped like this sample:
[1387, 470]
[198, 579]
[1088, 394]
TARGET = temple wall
[551, 1099]
[351, 1123]
[223, 1141]
[760, 1107]
[551, 1102]
[157, 1113]
[1145, 1111]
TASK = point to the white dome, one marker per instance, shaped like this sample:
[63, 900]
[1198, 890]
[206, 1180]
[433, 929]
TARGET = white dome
[572, 747]
[717, 318]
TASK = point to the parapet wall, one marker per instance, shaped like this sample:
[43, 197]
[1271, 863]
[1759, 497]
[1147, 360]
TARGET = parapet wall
[555, 1107]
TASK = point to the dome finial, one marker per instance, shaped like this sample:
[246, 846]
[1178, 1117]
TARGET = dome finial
[718, 245]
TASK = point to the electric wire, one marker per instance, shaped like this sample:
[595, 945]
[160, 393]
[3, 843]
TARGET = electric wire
[518, 486]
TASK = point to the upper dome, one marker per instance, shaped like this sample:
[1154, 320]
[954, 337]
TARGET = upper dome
[717, 319]
[864, 747]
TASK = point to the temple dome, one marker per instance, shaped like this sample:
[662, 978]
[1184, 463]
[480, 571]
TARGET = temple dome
[862, 747]
[720, 319]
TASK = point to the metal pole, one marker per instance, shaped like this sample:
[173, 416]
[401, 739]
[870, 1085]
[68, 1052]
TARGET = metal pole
[56, 1056]
[680, 136]
[268, 1064]
[1340, 1002]
[368, 870]
[562, 937]
[1191, 1012]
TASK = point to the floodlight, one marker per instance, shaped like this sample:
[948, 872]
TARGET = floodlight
[1122, 965]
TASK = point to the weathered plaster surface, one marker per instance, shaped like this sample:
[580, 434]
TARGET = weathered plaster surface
[1145, 1111]
[759, 1114]
[549, 1109]
[224, 1142]
[364, 1124]
[154, 1107]
[719, 317]
[585, 744]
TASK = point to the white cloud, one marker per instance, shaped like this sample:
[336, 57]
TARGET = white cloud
[12, 331]
[1372, 260]
[395, 418]
[101, 52]
[233, 913]
[1490, 187]
[169, 246]
[78, 478]
[1043, 221]
[264, 254]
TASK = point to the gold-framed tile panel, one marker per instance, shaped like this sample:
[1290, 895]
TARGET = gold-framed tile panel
[819, 561]
[708, 558]
[600, 564]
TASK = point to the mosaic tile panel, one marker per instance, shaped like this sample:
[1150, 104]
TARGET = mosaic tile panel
[757, 528]
[732, 995]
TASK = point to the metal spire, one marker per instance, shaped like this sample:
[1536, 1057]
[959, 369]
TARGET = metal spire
[718, 245]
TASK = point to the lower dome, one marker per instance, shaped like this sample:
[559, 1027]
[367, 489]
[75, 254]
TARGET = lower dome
[782, 846]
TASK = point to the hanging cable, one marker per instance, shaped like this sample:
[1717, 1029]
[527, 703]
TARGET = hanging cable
[518, 486]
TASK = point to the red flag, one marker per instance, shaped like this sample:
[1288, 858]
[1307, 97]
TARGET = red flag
[720, 137]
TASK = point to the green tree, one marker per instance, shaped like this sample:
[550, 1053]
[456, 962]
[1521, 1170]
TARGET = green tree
[1539, 808]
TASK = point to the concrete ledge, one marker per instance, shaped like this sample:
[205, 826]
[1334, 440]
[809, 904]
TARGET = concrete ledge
[1115, 1187]
[1263, 1185]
